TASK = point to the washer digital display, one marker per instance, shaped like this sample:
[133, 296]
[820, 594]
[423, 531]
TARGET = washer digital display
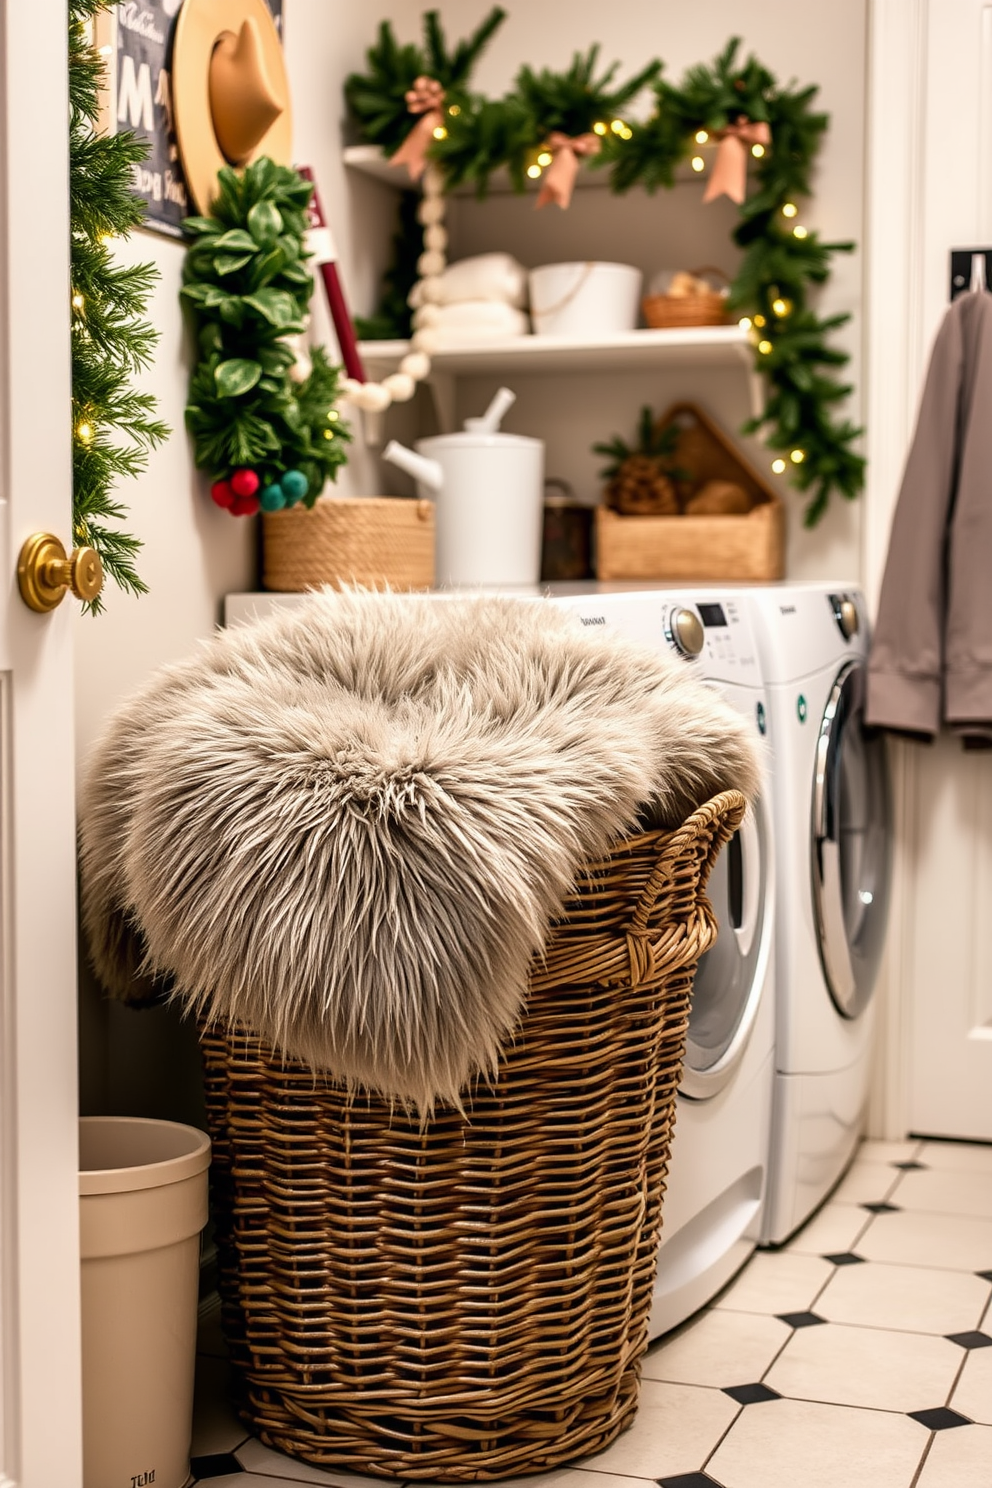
[711, 614]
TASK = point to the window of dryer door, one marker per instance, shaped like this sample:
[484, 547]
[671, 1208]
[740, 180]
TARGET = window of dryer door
[851, 844]
[728, 984]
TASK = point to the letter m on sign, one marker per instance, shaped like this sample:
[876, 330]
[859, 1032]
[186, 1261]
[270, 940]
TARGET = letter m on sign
[134, 95]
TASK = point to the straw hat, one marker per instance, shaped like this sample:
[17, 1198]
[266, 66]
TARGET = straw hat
[230, 92]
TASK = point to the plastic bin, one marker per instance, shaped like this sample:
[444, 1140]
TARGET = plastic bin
[142, 1203]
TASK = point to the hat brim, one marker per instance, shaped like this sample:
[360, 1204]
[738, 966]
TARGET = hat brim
[200, 25]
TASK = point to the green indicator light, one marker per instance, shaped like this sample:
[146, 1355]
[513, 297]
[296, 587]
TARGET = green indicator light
[801, 708]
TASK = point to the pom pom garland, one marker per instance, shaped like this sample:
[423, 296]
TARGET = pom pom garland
[272, 499]
[222, 494]
[244, 483]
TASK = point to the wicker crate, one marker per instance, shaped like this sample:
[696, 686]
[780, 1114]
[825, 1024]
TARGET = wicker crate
[469, 1298]
[375, 541]
[746, 549]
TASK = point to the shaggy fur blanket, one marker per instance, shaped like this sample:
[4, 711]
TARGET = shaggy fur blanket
[350, 826]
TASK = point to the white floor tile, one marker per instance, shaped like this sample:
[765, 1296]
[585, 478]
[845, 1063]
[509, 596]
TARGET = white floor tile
[216, 1428]
[569, 1477]
[946, 1191]
[889, 1152]
[674, 1431]
[833, 1228]
[912, 1238]
[719, 1349]
[797, 1444]
[916, 1299]
[866, 1183]
[868, 1367]
[256, 1458]
[973, 1396]
[960, 1157]
[960, 1458]
[783, 1281]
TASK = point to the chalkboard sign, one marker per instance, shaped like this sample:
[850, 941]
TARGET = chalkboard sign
[142, 102]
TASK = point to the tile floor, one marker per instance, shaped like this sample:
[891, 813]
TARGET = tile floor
[860, 1352]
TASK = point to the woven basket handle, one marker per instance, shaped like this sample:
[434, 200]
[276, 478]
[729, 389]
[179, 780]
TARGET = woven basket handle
[717, 819]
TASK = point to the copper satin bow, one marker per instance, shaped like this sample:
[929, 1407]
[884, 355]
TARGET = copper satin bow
[729, 174]
[424, 98]
[559, 178]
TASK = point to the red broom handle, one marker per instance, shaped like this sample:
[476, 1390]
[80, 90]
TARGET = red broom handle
[322, 246]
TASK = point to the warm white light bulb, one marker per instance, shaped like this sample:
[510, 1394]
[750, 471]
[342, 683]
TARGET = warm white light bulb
[454, 110]
[798, 456]
[781, 307]
[599, 128]
[618, 126]
[757, 151]
[698, 162]
[799, 232]
[745, 322]
[764, 347]
[701, 136]
[778, 466]
[790, 209]
[545, 158]
[440, 132]
[84, 432]
[78, 301]
[533, 171]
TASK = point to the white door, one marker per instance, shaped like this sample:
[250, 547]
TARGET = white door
[931, 190]
[39, 1247]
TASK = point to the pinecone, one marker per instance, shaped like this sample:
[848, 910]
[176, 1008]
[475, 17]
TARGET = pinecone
[641, 488]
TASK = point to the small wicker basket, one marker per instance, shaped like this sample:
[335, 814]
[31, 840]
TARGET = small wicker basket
[662, 311]
[375, 541]
[469, 1298]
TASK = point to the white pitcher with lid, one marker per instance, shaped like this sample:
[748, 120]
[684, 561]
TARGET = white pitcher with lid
[488, 489]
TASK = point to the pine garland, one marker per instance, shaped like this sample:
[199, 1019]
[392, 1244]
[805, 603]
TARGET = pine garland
[782, 261]
[111, 341]
[247, 281]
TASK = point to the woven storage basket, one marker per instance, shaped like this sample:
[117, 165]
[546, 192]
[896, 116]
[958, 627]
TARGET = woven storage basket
[664, 310]
[375, 541]
[469, 1298]
[742, 549]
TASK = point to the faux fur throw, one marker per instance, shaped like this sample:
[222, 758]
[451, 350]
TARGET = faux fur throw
[350, 826]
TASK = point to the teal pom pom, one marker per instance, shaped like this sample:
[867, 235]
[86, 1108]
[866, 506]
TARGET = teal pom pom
[294, 486]
[273, 498]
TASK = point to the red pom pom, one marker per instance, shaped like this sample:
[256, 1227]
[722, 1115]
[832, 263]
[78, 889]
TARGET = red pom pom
[245, 506]
[244, 483]
[222, 494]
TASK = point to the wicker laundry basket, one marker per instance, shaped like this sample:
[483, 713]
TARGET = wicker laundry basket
[469, 1298]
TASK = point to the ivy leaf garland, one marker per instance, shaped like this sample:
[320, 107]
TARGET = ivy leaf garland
[111, 339]
[782, 261]
[377, 98]
[266, 438]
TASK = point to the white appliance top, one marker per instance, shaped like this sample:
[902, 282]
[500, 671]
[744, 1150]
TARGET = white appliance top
[801, 628]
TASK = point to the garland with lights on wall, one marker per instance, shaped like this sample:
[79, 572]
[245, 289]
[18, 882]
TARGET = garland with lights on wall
[261, 405]
[549, 124]
[110, 339]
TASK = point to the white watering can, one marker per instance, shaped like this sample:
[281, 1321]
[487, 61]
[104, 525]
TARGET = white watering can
[488, 489]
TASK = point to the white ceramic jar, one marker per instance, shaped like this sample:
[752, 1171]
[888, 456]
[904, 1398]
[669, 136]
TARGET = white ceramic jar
[584, 300]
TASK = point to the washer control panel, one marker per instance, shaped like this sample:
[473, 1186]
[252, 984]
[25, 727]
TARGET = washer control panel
[710, 629]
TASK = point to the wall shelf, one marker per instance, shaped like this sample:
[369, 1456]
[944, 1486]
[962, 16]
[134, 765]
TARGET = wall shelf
[370, 160]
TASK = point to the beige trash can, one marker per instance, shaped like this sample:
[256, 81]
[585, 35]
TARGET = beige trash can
[142, 1204]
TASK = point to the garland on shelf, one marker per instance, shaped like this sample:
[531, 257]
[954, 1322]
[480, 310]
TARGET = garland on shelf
[261, 407]
[739, 107]
[111, 341]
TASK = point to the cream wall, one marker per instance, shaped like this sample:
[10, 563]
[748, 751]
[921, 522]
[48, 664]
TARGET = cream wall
[194, 554]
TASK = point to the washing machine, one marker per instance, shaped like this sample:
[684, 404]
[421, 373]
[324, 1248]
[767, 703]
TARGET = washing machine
[830, 805]
[714, 1199]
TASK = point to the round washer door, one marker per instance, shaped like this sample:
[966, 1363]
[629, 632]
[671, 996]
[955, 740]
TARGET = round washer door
[731, 975]
[851, 844]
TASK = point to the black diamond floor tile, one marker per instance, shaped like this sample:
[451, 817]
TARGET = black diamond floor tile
[751, 1394]
[940, 1419]
[217, 1465]
[911, 1167]
[800, 1319]
[985, 1275]
[690, 1480]
[845, 1258]
[882, 1208]
[970, 1340]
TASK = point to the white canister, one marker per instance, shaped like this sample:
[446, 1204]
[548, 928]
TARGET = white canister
[490, 507]
[583, 300]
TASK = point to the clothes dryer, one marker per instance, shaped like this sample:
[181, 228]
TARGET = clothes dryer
[716, 1181]
[830, 804]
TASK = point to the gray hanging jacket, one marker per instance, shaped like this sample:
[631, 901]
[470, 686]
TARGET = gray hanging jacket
[931, 655]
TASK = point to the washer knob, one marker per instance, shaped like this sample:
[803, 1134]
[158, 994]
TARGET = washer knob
[687, 632]
[847, 618]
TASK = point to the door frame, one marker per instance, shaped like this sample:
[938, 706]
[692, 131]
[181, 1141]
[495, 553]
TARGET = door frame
[40, 1406]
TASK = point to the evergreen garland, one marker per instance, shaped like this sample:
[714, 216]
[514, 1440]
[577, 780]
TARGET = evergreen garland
[266, 438]
[111, 341]
[378, 98]
[782, 260]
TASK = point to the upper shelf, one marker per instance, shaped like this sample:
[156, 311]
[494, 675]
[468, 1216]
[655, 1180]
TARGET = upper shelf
[369, 160]
[711, 346]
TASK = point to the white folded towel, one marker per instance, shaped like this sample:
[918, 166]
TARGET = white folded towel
[487, 276]
[472, 318]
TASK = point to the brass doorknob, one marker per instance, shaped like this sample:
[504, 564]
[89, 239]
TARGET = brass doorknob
[45, 574]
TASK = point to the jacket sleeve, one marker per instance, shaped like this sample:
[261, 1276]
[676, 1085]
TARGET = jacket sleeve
[906, 661]
[968, 635]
